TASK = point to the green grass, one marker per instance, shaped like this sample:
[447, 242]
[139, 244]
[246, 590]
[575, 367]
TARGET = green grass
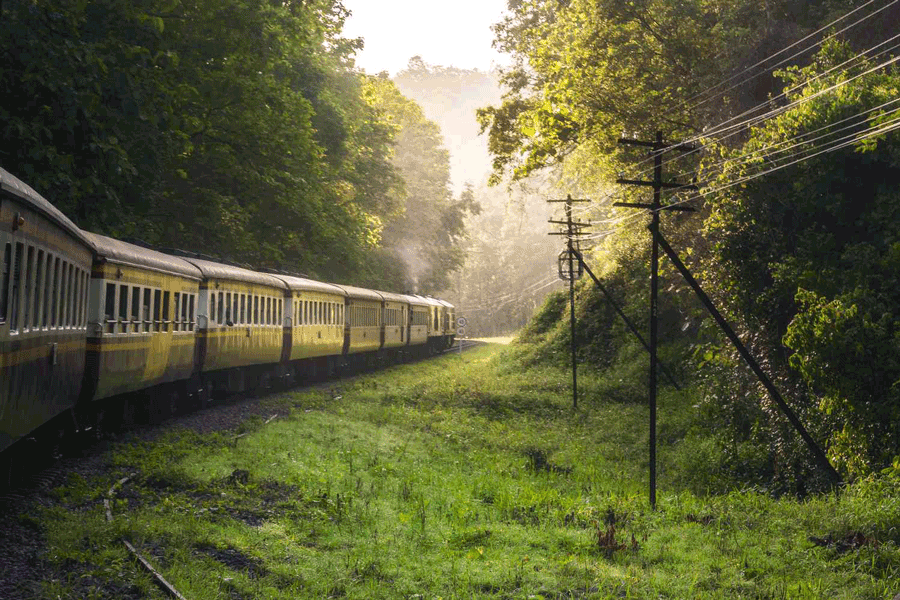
[460, 478]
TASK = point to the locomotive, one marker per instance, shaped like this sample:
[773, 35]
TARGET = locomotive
[92, 327]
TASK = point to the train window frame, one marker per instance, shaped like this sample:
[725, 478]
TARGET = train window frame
[212, 308]
[65, 295]
[122, 308]
[39, 287]
[48, 291]
[220, 307]
[5, 281]
[14, 300]
[147, 309]
[192, 311]
[134, 306]
[71, 298]
[109, 307]
[176, 316]
[29, 289]
[157, 310]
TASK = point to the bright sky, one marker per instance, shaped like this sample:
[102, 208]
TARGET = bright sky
[444, 33]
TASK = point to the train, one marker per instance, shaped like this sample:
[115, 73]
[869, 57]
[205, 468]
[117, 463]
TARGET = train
[94, 328]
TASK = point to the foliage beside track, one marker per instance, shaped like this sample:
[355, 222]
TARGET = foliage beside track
[235, 128]
[459, 478]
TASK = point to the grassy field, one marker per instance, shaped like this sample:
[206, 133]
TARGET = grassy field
[459, 477]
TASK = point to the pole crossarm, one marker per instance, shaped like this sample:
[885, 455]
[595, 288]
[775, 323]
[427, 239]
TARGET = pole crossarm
[567, 223]
[817, 452]
[659, 145]
[678, 207]
[660, 184]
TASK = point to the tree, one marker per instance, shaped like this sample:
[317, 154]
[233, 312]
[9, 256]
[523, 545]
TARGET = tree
[426, 235]
[237, 128]
[809, 255]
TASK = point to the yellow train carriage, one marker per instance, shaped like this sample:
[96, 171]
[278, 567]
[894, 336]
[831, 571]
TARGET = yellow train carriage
[315, 318]
[447, 322]
[241, 324]
[395, 316]
[419, 311]
[142, 319]
[363, 320]
[45, 263]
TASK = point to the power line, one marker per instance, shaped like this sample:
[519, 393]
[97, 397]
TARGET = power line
[783, 61]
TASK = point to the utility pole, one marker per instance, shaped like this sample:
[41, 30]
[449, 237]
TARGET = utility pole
[570, 268]
[658, 149]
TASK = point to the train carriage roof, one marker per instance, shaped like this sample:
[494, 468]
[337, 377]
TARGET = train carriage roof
[445, 303]
[120, 252]
[214, 270]
[14, 186]
[301, 284]
[391, 297]
[429, 300]
[361, 293]
[415, 300]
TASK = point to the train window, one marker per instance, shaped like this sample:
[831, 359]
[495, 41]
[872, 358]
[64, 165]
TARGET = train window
[28, 288]
[64, 293]
[220, 308]
[280, 320]
[228, 309]
[69, 271]
[4, 280]
[109, 310]
[165, 311]
[176, 305]
[157, 308]
[16, 281]
[268, 311]
[79, 277]
[74, 296]
[122, 315]
[254, 308]
[57, 284]
[212, 308]
[305, 312]
[191, 314]
[243, 314]
[135, 315]
[47, 292]
[38, 287]
[145, 310]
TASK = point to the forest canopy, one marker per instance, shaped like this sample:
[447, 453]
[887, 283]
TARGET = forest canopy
[239, 128]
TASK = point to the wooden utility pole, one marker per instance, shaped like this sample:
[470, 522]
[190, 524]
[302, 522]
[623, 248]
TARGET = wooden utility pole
[658, 149]
[572, 272]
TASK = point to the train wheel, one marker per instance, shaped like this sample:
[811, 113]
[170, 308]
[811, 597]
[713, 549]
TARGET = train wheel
[162, 405]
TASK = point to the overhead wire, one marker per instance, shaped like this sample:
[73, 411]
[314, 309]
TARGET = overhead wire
[783, 61]
[753, 120]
